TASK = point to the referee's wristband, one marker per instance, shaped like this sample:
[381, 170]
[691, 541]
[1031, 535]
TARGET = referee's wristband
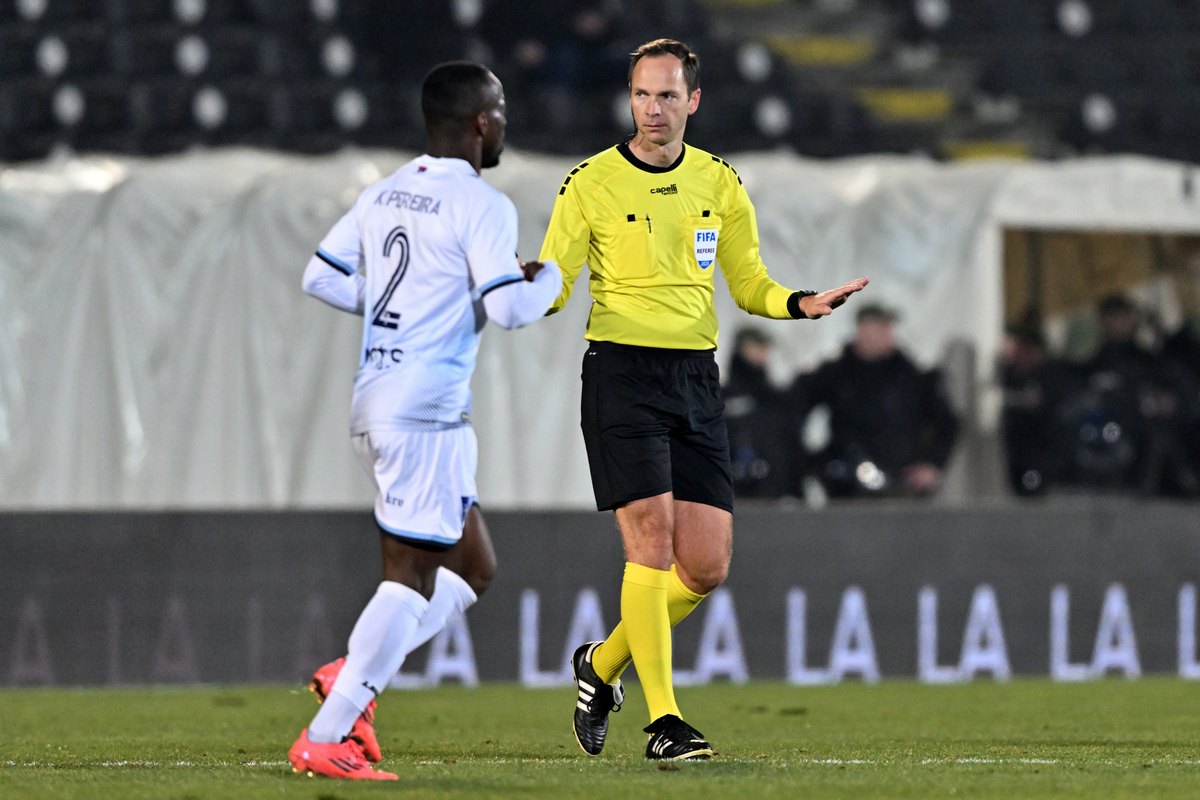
[793, 304]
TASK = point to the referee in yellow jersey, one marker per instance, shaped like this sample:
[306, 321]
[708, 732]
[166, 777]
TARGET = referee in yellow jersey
[652, 217]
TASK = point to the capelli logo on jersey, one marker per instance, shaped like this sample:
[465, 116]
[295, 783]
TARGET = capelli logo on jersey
[665, 190]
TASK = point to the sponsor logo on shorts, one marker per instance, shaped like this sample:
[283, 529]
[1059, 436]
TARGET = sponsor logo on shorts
[393, 501]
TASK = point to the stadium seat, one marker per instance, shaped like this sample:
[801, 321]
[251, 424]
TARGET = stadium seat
[1163, 66]
[1023, 69]
[17, 44]
[1126, 132]
[25, 106]
[87, 49]
[56, 12]
[1177, 116]
[229, 11]
[138, 12]
[106, 105]
[1151, 16]
[16, 148]
[161, 105]
[144, 51]
[290, 59]
[233, 50]
[1093, 64]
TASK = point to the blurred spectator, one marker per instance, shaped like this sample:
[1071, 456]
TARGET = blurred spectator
[891, 426]
[1123, 425]
[1182, 348]
[1034, 385]
[1182, 353]
[763, 438]
[569, 46]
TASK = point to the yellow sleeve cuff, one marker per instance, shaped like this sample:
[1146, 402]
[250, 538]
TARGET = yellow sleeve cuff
[776, 302]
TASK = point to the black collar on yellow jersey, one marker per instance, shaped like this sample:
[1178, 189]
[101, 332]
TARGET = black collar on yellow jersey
[623, 149]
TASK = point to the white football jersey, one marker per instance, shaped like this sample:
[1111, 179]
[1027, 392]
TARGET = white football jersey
[430, 240]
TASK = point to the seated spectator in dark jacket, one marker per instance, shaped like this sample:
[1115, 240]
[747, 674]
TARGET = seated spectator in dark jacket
[1182, 349]
[763, 438]
[891, 426]
[1126, 419]
[1034, 385]
[1182, 353]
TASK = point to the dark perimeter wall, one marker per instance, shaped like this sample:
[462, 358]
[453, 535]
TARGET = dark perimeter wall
[1077, 591]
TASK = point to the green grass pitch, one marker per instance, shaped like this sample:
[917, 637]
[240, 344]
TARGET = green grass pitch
[1027, 738]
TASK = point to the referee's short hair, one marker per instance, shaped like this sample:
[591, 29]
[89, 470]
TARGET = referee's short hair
[670, 47]
[455, 91]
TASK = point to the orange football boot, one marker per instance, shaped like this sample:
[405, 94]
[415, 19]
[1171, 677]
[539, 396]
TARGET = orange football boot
[363, 731]
[341, 760]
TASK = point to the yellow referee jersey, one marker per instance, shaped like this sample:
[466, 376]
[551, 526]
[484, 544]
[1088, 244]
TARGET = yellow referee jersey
[651, 237]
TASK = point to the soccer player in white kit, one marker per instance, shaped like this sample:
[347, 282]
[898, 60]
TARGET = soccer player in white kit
[427, 256]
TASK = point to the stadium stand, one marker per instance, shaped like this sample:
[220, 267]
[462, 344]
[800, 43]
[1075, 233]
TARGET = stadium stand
[948, 78]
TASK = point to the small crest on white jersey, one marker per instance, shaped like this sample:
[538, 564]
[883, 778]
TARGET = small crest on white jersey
[706, 247]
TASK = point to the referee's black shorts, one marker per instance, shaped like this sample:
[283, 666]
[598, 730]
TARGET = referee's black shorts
[653, 421]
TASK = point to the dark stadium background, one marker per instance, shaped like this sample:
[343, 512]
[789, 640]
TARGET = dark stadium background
[1039, 78]
[166, 591]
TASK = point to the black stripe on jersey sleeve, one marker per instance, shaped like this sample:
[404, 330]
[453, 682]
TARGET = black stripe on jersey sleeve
[333, 263]
[496, 286]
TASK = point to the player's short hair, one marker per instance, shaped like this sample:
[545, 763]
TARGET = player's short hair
[455, 91]
[670, 47]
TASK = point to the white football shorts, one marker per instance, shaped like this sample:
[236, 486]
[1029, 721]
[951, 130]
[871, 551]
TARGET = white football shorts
[425, 482]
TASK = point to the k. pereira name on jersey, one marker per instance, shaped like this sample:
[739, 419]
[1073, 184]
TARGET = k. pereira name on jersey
[420, 203]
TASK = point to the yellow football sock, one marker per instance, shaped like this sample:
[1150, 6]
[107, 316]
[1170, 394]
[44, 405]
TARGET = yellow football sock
[612, 657]
[648, 630]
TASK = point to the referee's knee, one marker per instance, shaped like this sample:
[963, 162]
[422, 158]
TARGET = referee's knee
[703, 578]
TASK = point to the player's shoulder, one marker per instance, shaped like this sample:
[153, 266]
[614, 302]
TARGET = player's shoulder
[712, 164]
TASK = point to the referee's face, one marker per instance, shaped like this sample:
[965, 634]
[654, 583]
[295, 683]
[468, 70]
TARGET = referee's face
[659, 98]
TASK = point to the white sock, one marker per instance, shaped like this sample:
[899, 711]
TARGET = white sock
[451, 595]
[378, 645]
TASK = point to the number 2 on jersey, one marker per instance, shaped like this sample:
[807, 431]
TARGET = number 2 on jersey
[381, 316]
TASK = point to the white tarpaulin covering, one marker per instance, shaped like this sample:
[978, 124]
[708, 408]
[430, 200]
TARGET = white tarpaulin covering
[156, 349]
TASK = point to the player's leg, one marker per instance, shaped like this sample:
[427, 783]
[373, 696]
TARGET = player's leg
[461, 579]
[376, 648]
[419, 521]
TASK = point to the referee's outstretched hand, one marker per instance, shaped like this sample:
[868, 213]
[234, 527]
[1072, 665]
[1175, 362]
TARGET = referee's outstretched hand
[820, 305]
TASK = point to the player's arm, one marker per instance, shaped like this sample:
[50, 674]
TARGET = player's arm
[526, 299]
[568, 238]
[746, 275]
[514, 293]
[332, 273]
[335, 283]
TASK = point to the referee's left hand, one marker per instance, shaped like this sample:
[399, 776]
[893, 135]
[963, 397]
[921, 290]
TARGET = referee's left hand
[820, 305]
